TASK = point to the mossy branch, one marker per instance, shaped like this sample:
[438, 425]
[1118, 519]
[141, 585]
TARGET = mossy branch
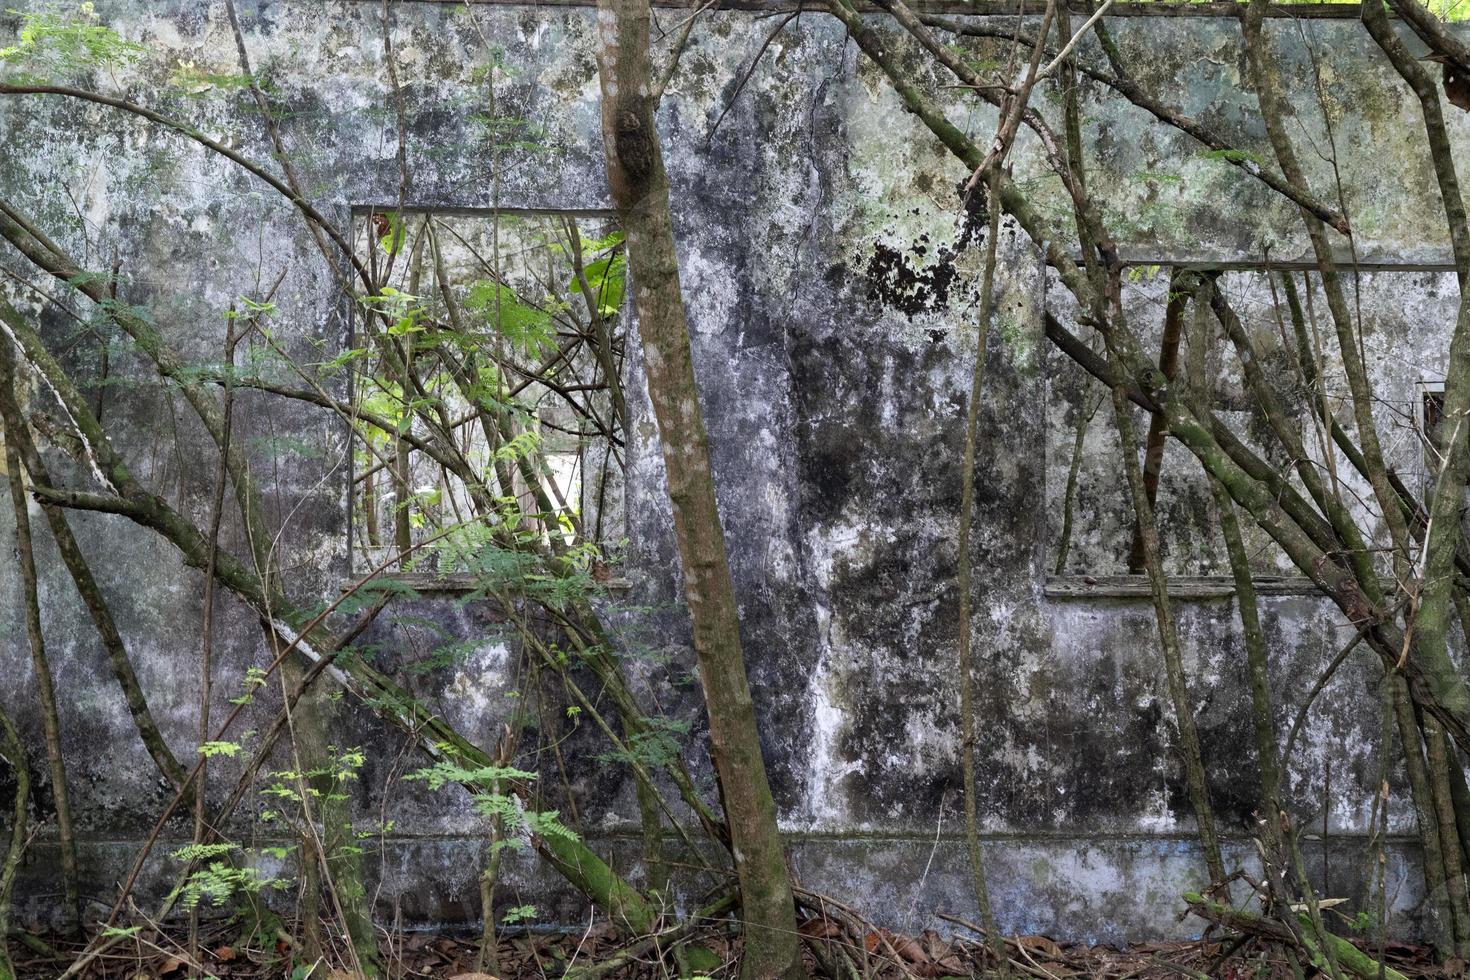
[1347, 954]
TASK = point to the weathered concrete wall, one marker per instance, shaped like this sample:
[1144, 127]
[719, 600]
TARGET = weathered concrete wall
[836, 422]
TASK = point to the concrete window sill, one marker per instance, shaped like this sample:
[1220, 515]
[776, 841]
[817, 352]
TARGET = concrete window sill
[1180, 586]
[429, 583]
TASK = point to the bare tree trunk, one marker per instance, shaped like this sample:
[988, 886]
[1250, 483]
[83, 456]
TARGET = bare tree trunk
[1266, 77]
[1153, 446]
[45, 687]
[206, 628]
[640, 190]
[1189, 750]
[14, 751]
[967, 679]
[1444, 926]
[1262, 715]
[1074, 472]
[488, 957]
[86, 585]
[312, 944]
[327, 821]
[1451, 852]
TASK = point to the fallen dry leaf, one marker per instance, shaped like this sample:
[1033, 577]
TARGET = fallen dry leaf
[817, 928]
[1041, 945]
[950, 966]
[908, 948]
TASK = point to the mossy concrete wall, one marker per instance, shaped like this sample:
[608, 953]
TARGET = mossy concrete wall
[836, 422]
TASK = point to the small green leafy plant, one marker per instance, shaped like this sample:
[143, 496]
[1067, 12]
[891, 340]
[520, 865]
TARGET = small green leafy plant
[55, 44]
[487, 785]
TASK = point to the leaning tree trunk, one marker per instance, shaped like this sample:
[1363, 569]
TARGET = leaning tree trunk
[45, 684]
[640, 191]
[13, 750]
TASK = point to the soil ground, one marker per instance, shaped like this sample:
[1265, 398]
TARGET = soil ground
[711, 952]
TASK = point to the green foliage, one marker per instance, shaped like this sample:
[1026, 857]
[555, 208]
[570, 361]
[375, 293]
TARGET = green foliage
[522, 446]
[341, 360]
[505, 810]
[89, 277]
[446, 654]
[444, 772]
[510, 133]
[250, 309]
[211, 749]
[390, 230]
[504, 311]
[518, 914]
[220, 882]
[596, 246]
[347, 763]
[547, 823]
[254, 679]
[606, 272]
[458, 550]
[225, 876]
[404, 309]
[498, 569]
[385, 399]
[120, 310]
[655, 748]
[701, 960]
[371, 592]
[321, 782]
[192, 80]
[200, 852]
[54, 44]
[607, 279]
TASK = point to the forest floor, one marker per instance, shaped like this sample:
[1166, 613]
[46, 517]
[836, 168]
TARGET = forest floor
[163, 955]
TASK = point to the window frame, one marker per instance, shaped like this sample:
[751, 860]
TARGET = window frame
[1082, 585]
[358, 215]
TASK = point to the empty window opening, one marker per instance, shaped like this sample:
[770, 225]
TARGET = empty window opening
[1429, 422]
[1280, 319]
[486, 372]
